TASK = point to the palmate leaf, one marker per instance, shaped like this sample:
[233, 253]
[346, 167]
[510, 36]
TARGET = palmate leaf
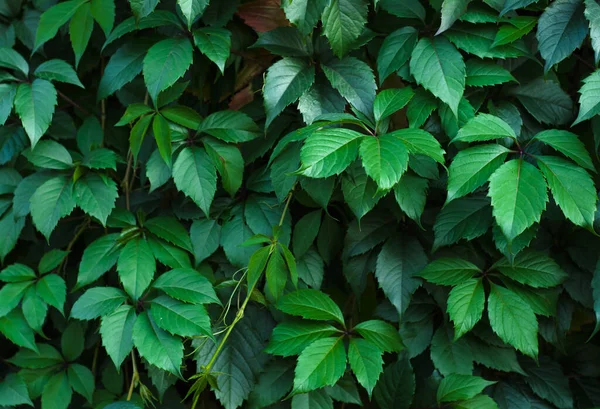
[343, 22]
[320, 364]
[439, 68]
[519, 196]
[166, 62]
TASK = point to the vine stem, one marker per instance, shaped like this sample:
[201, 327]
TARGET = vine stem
[134, 377]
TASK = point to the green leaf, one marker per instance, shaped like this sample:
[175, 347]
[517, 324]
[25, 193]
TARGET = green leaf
[205, 236]
[96, 194]
[166, 62]
[390, 101]
[14, 327]
[465, 218]
[52, 201]
[136, 267]
[518, 27]
[116, 330]
[533, 269]
[290, 338]
[304, 14]
[343, 22]
[57, 70]
[320, 364]
[568, 144]
[80, 30]
[50, 155]
[411, 194]
[479, 41]
[182, 115]
[546, 101]
[99, 257]
[34, 309]
[320, 99]
[510, 5]
[449, 271]
[187, 285]
[312, 305]
[7, 97]
[195, 176]
[11, 59]
[169, 229]
[396, 387]
[215, 43]
[53, 19]
[455, 387]
[100, 158]
[81, 380]
[592, 13]
[360, 192]
[12, 293]
[354, 80]
[513, 320]
[420, 108]
[57, 392]
[276, 274]
[285, 82]
[440, 69]
[284, 41]
[418, 141]
[398, 263]
[97, 302]
[549, 382]
[318, 399]
[465, 305]
[142, 8]
[16, 273]
[168, 254]
[518, 193]
[52, 289]
[409, 9]
[34, 103]
[51, 260]
[484, 74]
[589, 101]
[230, 126]
[305, 232]
[385, 159]
[13, 391]
[157, 171]
[484, 127]
[103, 12]
[124, 65]
[472, 167]
[366, 362]
[381, 334]
[162, 134]
[192, 9]
[451, 11]
[395, 51]
[187, 320]
[158, 347]
[329, 152]
[561, 30]
[12, 227]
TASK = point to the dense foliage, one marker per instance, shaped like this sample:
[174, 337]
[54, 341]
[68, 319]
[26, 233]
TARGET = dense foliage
[299, 204]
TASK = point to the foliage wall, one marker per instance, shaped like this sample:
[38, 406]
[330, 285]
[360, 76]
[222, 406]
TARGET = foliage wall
[299, 204]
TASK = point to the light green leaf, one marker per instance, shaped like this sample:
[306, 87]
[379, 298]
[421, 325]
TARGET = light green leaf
[182, 115]
[484, 127]
[99, 257]
[16, 273]
[561, 29]
[103, 12]
[465, 218]
[50, 155]
[169, 229]
[52, 289]
[192, 9]
[14, 327]
[439, 68]
[513, 320]
[53, 19]
[100, 158]
[381, 334]
[166, 62]
[390, 101]
[34, 103]
[290, 338]
[328, 152]
[398, 263]
[98, 302]
[136, 267]
[12, 293]
[485, 73]
[142, 8]
[57, 70]
[568, 144]
[465, 305]
[187, 285]
[395, 51]
[187, 320]
[478, 40]
[385, 159]
[518, 27]
[312, 305]
[285, 82]
[589, 101]
[533, 269]
[449, 271]
[11, 59]
[116, 330]
[592, 13]
[57, 392]
[96, 194]
[80, 30]
[451, 11]
[519, 196]
[366, 362]
[195, 175]
[162, 135]
[13, 391]
[215, 43]
[320, 364]
[230, 126]
[456, 387]
[34, 310]
[158, 347]
[418, 141]
[472, 167]
[52, 201]
[7, 97]
[304, 14]
[343, 22]
[354, 80]
[168, 254]
[411, 194]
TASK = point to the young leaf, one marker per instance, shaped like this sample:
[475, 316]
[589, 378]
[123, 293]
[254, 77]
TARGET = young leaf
[519, 196]
[312, 305]
[322, 363]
